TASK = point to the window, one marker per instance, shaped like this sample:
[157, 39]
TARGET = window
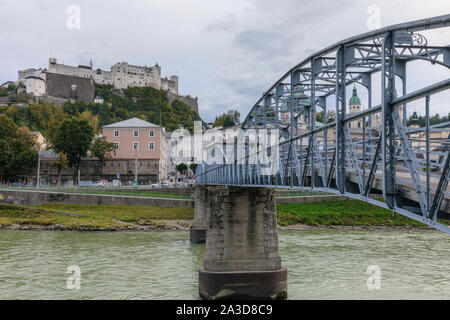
[136, 133]
[135, 145]
[151, 146]
[116, 145]
[151, 133]
[116, 133]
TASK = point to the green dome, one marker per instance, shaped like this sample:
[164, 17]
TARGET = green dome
[354, 100]
[414, 119]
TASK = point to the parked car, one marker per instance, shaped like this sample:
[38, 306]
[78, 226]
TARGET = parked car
[162, 184]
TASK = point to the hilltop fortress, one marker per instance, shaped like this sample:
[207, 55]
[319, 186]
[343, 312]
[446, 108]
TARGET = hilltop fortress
[68, 82]
[121, 75]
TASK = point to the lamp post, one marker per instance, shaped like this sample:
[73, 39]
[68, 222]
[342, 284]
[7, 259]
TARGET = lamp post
[38, 169]
[136, 163]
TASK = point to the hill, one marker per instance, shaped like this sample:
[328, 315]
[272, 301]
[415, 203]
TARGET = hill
[145, 103]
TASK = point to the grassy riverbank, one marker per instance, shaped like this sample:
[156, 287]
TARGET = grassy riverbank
[342, 213]
[348, 213]
[94, 217]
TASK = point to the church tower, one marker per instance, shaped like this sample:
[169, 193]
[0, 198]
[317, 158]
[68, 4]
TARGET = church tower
[355, 106]
[414, 120]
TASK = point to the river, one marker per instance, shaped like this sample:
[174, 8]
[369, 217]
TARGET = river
[322, 264]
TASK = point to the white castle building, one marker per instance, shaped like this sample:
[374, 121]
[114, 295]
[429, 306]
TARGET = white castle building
[33, 80]
[121, 76]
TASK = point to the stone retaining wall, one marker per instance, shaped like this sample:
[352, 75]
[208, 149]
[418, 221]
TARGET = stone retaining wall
[34, 198]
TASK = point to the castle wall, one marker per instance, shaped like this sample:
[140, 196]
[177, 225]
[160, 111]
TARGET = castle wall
[169, 85]
[191, 102]
[70, 87]
[103, 77]
[70, 71]
[54, 100]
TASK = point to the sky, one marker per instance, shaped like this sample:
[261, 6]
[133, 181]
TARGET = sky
[227, 53]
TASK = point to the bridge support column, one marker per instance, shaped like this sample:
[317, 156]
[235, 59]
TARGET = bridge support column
[242, 259]
[198, 228]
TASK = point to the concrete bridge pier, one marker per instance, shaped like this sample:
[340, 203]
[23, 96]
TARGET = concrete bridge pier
[198, 228]
[242, 259]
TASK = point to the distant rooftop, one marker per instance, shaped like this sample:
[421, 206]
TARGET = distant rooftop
[132, 123]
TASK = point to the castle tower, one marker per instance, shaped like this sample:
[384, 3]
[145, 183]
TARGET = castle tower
[355, 106]
[175, 80]
[156, 76]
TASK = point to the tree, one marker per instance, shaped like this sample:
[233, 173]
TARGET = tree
[6, 157]
[53, 125]
[102, 150]
[92, 119]
[193, 167]
[227, 119]
[181, 168]
[60, 165]
[331, 116]
[18, 149]
[73, 138]
[421, 120]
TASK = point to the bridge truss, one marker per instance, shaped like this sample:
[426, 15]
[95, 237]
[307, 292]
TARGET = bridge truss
[355, 154]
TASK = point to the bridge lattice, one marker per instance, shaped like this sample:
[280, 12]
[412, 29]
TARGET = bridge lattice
[356, 154]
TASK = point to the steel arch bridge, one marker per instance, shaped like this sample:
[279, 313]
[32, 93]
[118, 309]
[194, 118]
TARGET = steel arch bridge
[356, 153]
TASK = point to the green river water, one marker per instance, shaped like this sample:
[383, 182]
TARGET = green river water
[322, 264]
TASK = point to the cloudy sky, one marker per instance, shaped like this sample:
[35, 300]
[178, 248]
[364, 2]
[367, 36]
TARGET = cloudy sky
[225, 52]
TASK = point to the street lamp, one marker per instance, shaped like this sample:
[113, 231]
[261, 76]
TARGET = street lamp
[136, 163]
[39, 168]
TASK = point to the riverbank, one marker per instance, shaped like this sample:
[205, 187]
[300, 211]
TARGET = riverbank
[347, 214]
[94, 217]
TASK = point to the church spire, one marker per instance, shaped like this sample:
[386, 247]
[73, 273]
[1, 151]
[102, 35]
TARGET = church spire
[354, 100]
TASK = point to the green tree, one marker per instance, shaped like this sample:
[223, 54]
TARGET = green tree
[181, 168]
[18, 149]
[102, 150]
[53, 125]
[74, 137]
[421, 120]
[6, 157]
[227, 119]
[92, 119]
[193, 167]
[60, 165]
[331, 116]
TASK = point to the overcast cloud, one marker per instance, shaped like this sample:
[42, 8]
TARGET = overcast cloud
[225, 52]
